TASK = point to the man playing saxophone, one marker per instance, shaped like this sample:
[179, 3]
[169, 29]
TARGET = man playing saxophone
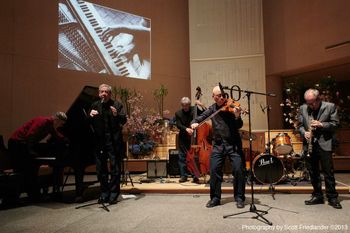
[318, 121]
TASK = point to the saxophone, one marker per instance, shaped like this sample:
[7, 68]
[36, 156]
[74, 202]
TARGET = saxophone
[310, 140]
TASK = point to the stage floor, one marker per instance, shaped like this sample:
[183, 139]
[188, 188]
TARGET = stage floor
[142, 184]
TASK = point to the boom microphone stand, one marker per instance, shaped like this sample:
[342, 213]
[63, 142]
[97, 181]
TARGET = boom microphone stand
[252, 209]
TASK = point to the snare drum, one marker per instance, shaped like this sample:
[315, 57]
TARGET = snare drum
[282, 144]
[268, 169]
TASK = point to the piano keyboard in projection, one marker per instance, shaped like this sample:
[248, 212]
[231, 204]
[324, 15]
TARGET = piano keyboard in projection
[90, 20]
[75, 52]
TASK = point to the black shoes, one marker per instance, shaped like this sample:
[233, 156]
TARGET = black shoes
[240, 204]
[183, 179]
[79, 199]
[113, 198]
[195, 180]
[212, 203]
[102, 199]
[112, 201]
[334, 203]
[314, 201]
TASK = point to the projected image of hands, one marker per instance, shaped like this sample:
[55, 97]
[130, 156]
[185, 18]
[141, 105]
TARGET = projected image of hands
[95, 38]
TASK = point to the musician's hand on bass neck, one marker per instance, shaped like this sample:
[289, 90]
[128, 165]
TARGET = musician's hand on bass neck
[189, 131]
[194, 125]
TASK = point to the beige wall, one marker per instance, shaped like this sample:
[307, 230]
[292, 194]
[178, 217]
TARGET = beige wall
[296, 34]
[227, 46]
[31, 84]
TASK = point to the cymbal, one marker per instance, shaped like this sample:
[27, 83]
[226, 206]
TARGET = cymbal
[245, 135]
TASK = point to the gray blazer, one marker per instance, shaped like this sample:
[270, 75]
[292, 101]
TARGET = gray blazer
[328, 116]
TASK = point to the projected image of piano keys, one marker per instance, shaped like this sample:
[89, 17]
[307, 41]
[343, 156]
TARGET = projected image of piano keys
[95, 38]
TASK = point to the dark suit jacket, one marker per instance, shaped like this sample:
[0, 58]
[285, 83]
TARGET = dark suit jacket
[183, 121]
[116, 126]
[328, 116]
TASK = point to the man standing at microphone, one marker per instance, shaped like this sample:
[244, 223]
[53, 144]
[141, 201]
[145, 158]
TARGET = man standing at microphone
[107, 118]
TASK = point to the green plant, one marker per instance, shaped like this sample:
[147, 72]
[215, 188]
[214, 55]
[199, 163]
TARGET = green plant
[159, 95]
[123, 94]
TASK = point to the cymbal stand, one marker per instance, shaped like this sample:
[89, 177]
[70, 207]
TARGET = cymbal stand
[252, 209]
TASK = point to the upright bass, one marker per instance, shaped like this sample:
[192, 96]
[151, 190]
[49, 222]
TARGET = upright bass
[198, 156]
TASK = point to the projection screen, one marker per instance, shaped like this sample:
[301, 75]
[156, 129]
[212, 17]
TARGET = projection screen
[94, 38]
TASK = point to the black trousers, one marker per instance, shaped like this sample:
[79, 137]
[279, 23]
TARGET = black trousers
[183, 148]
[217, 159]
[108, 186]
[23, 163]
[313, 164]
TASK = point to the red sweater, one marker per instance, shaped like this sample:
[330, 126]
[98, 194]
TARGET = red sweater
[36, 130]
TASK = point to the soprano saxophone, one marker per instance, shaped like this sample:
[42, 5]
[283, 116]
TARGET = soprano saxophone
[310, 140]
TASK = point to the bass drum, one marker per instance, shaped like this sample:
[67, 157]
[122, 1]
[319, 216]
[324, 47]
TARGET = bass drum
[268, 169]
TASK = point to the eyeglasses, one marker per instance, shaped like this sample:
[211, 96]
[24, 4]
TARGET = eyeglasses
[218, 95]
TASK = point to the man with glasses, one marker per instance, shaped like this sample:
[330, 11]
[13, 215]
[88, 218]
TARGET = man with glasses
[318, 121]
[183, 122]
[107, 118]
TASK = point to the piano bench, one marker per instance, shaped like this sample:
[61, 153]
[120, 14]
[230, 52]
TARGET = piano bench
[48, 174]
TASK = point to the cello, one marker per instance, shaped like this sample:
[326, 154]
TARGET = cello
[192, 155]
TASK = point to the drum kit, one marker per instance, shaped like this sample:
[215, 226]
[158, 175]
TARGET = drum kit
[281, 166]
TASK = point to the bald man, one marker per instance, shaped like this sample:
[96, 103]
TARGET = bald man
[227, 142]
[322, 119]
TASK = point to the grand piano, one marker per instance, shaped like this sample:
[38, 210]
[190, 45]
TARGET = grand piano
[80, 136]
[76, 152]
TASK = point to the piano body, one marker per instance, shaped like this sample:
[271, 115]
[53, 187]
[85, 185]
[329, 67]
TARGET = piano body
[80, 135]
[80, 43]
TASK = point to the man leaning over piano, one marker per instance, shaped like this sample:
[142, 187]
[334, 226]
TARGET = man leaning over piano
[24, 146]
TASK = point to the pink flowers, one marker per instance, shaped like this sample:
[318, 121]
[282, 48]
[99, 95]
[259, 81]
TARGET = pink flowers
[143, 121]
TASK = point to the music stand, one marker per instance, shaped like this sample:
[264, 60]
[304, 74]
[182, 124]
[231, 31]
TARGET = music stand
[124, 172]
[252, 209]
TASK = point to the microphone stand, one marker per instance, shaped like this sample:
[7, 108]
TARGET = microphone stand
[252, 209]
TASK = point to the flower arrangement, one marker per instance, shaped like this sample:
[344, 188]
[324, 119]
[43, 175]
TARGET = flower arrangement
[144, 125]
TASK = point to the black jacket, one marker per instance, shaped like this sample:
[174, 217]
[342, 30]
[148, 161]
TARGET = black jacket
[183, 121]
[225, 125]
[115, 123]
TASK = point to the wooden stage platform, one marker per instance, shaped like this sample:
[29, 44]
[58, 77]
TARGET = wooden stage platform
[142, 184]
